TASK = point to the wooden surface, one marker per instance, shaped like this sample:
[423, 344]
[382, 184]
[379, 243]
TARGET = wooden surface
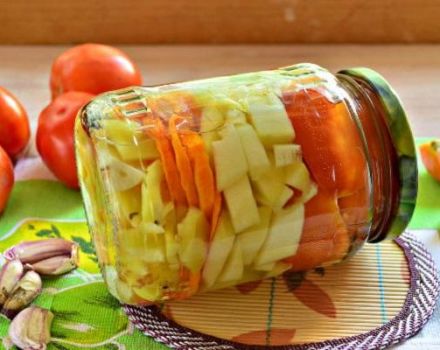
[218, 21]
[414, 71]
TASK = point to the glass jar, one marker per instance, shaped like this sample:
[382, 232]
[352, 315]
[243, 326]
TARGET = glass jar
[201, 185]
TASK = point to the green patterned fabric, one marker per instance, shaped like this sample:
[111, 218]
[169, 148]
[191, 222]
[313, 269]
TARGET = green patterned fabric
[426, 214]
[86, 316]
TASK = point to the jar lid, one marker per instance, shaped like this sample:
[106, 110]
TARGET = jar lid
[403, 142]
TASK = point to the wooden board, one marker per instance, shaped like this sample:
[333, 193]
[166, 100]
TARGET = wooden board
[217, 21]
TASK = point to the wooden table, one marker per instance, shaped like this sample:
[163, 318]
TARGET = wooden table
[414, 71]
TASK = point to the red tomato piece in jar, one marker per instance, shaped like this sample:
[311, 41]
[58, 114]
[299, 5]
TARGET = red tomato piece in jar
[354, 209]
[324, 238]
[322, 217]
[330, 141]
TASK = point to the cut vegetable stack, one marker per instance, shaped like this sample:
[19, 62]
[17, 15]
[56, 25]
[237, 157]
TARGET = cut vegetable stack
[217, 185]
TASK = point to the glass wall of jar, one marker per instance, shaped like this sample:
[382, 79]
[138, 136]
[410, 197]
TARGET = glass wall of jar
[206, 184]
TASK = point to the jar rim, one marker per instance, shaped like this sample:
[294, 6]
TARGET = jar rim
[402, 139]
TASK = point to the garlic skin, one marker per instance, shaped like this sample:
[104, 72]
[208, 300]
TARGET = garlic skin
[25, 291]
[52, 257]
[10, 273]
[56, 265]
[33, 251]
[30, 329]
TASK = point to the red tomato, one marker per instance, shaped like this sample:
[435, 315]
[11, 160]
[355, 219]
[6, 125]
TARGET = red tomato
[330, 141]
[14, 124]
[55, 135]
[6, 178]
[324, 237]
[92, 68]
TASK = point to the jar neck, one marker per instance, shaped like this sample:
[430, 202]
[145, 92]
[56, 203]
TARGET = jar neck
[382, 159]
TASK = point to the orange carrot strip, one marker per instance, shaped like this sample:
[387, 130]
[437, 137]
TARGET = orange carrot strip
[183, 164]
[193, 281]
[204, 177]
[166, 153]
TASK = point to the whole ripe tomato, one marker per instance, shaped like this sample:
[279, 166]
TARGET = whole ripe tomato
[55, 135]
[92, 68]
[14, 124]
[6, 178]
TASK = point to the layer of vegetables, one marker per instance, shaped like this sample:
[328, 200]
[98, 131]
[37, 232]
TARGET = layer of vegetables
[214, 192]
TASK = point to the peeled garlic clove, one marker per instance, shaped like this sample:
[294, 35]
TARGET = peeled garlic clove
[10, 274]
[56, 265]
[30, 329]
[25, 291]
[32, 251]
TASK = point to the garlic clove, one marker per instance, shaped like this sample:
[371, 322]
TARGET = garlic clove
[30, 329]
[56, 265]
[32, 251]
[10, 274]
[25, 291]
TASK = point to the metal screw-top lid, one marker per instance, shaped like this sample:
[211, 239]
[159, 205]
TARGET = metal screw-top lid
[403, 142]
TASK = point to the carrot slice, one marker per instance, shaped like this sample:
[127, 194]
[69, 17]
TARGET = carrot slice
[204, 177]
[216, 211]
[166, 153]
[193, 281]
[183, 163]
